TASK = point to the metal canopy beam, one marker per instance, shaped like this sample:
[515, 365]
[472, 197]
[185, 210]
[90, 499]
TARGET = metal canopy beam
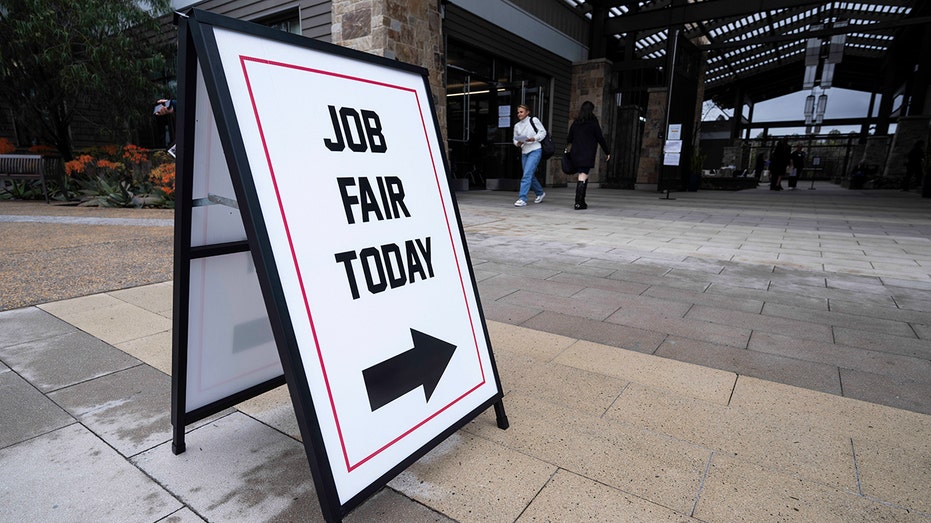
[759, 46]
[692, 13]
[865, 28]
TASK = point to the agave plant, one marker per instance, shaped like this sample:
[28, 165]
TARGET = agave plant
[106, 193]
[21, 190]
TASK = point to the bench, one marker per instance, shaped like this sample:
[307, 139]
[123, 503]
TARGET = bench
[720, 183]
[23, 167]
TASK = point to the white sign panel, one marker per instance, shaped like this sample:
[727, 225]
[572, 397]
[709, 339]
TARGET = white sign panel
[672, 150]
[671, 158]
[352, 189]
[675, 131]
[504, 116]
[230, 345]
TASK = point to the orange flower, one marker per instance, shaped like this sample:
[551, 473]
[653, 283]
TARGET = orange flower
[107, 164]
[78, 165]
[135, 154]
[6, 147]
[163, 176]
[73, 167]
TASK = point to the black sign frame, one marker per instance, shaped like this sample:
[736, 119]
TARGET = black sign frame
[198, 46]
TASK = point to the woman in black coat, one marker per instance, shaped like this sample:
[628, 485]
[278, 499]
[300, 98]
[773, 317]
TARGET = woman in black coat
[796, 166]
[778, 163]
[585, 136]
[913, 166]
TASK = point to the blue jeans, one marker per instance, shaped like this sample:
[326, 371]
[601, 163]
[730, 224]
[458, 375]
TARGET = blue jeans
[529, 163]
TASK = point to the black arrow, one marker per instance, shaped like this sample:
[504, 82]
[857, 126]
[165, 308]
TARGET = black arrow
[422, 365]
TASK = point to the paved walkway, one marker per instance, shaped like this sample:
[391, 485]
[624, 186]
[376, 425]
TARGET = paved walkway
[825, 289]
[748, 356]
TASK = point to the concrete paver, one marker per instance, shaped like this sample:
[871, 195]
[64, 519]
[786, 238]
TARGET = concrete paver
[53, 363]
[469, 478]
[71, 475]
[125, 409]
[748, 362]
[235, 466]
[27, 413]
[741, 491]
[577, 498]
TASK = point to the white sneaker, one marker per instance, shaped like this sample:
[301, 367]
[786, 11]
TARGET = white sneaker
[540, 198]
[520, 203]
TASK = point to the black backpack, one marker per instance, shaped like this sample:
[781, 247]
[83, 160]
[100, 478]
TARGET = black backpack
[549, 148]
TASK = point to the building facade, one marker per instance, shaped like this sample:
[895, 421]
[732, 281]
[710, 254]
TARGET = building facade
[485, 57]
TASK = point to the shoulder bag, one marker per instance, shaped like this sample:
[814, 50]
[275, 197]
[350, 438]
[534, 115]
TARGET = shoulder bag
[549, 148]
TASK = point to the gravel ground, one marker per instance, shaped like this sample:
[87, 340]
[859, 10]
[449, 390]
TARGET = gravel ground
[54, 252]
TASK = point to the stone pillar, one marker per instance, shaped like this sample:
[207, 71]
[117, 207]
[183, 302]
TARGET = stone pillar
[591, 81]
[908, 130]
[732, 156]
[409, 31]
[875, 151]
[651, 148]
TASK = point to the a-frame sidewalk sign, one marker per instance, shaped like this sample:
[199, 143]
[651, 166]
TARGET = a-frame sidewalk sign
[318, 243]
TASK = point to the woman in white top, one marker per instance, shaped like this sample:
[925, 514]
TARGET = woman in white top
[528, 139]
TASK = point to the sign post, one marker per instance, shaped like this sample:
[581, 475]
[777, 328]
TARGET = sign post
[316, 180]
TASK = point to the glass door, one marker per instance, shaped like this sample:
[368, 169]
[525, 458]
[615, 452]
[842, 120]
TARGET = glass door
[481, 113]
[469, 118]
[505, 157]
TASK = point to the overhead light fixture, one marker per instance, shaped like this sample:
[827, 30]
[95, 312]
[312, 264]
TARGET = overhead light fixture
[835, 55]
[827, 75]
[812, 59]
[485, 91]
[811, 71]
[814, 115]
[809, 108]
[836, 46]
[822, 105]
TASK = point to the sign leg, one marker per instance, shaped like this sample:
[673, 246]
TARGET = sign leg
[501, 417]
[177, 442]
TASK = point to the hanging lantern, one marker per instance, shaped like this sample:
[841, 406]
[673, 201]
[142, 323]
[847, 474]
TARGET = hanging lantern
[809, 108]
[822, 105]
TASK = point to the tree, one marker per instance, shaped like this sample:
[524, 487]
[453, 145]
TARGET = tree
[88, 59]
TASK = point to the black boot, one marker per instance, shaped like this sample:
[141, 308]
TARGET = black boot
[580, 196]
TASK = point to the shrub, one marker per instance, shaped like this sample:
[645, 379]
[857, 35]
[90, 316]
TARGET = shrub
[113, 176]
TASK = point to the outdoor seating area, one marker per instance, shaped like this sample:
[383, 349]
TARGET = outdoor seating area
[27, 167]
[104, 176]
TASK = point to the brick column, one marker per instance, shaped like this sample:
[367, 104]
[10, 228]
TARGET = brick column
[591, 81]
[410, 31]
[651, 148]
